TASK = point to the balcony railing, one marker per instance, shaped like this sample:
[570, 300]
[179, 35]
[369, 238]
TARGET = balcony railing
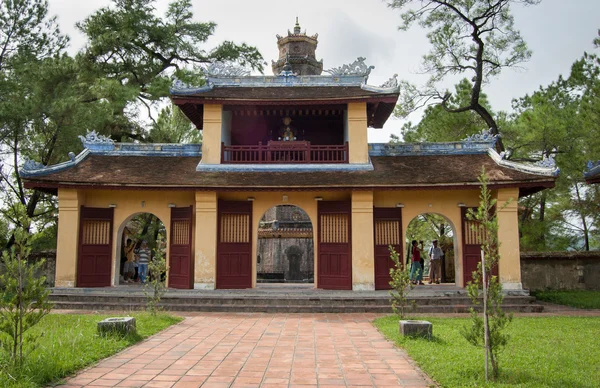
[289, 152]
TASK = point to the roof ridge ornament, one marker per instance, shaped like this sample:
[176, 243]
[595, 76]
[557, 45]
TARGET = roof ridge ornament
[390, 83]
[179, 84]
[222, 69]
[94, 137]
[357, 67]
[32, 165]
[591, 165]
[484, 135]
[547, 161]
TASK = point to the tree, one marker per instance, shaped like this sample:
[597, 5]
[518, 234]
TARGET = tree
[23, 296]
[172, 126]
[400, 283]
[562, 121]
[487, 330]
[475, 37]
[156, 287]
[438, 124]
[132, 49]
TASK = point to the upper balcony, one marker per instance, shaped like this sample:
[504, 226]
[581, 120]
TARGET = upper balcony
[284, 152]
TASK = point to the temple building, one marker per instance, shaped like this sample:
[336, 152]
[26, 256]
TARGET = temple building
[297, 138]
[592, 173]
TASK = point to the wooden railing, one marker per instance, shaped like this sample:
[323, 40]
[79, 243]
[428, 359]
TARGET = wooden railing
[289, 152]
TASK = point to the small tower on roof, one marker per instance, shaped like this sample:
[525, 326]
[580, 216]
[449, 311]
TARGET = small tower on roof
[297, 51]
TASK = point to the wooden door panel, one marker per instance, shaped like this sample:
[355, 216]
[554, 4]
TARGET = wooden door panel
[234, 247]
[387, 229]
[334, 249]
[95, 247]
[181, 266]
[472, 240]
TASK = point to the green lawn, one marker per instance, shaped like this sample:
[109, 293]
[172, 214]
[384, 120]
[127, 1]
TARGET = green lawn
[70, 343]
[583, 299]
[542, 352]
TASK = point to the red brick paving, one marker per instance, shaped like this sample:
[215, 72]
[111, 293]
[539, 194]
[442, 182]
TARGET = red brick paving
[259, 350]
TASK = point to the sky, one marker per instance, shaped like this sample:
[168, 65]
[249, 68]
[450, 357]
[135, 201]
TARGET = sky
[557, 31]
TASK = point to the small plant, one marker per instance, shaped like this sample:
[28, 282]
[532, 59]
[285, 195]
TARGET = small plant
[487, 330]
[156, 287]
[23, 297]
[400, 283]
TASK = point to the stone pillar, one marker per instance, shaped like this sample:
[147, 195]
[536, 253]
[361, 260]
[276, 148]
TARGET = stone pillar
[363, 245]
[67, 242]
[357, 132]
[205, 268]
[509, 268]
[211, 134]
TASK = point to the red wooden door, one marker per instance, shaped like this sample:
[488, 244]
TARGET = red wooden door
[335, 248]
[473, 236]
[234, 248]
[180, 248]
[387, 227]
[95, 247]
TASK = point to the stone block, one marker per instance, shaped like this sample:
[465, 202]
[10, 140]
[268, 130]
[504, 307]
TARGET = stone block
[121, 325]
[411, 328]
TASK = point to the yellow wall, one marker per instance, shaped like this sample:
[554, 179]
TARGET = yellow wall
[357, 132]
[211, 134]
[129, 203]
[444, 203]
[509, 267]
[69, 202]
[205, 268]
[363, 245]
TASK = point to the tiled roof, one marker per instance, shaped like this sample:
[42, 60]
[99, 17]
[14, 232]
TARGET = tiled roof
[389, 172]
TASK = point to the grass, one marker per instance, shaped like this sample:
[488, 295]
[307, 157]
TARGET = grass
[583, 299]
[542, 352]
[70, 343]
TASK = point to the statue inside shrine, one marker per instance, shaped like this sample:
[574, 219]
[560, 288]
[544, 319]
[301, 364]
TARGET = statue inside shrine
[288, 133]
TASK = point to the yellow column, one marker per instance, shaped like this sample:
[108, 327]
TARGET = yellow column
[363, 246]
[67, 244]
[205, 268]
[211, 134]
[509, 267]
[357, 132]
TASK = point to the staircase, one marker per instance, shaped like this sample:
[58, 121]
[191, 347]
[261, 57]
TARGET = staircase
[282, 299]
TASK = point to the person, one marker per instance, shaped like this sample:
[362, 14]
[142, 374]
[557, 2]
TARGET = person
[435, 267]
[416, 271]
[143, 260]
[129, 265]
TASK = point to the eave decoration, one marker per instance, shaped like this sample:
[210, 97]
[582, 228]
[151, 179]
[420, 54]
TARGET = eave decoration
[221, 69]
[357, 67]
[484, 135]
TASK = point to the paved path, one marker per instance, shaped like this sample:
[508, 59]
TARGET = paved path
[260, 350]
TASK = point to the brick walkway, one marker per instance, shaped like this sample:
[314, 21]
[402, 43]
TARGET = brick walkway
[260, 350]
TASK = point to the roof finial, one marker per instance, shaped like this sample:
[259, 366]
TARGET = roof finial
[297, 27]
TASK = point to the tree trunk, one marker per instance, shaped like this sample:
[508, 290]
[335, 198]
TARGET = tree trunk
[586, 233]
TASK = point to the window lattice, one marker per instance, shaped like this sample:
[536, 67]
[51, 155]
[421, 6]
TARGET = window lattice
[235, 228]
[334, 228]
[181, 232]
[387, 232]
[474, 233]
[96, 232]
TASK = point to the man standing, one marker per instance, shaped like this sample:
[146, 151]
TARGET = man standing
[435, 264]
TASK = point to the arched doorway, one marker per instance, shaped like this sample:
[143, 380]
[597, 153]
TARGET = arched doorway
[427, 227]
[132, 233]
[285, 248]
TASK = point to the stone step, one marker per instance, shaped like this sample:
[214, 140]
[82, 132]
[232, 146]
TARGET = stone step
[290, 308]
[278, 301]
